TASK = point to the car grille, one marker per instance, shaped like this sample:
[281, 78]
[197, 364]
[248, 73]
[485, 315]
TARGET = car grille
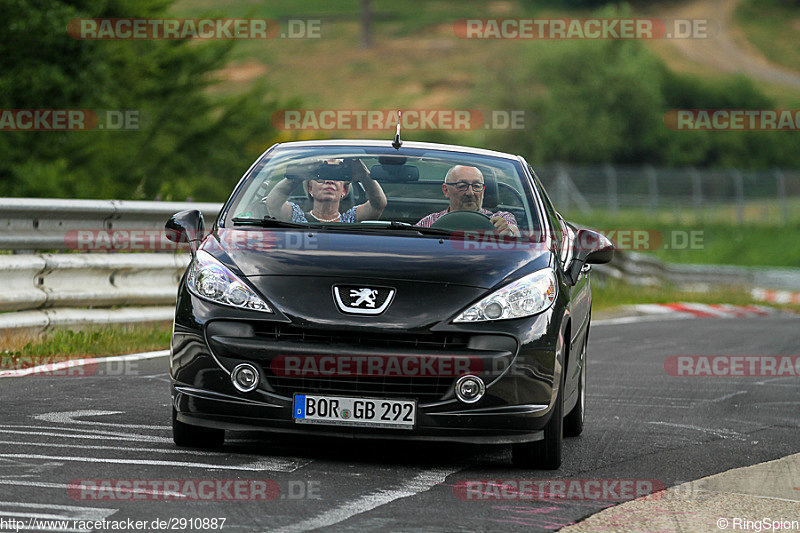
[421, 388]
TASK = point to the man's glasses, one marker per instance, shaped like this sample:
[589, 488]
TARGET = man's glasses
[462, 186]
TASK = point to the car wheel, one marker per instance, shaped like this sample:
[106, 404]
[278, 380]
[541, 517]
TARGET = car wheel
[190, 436]
[573, 422]
[546, 453]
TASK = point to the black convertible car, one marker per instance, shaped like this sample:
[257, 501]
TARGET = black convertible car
[379, 290]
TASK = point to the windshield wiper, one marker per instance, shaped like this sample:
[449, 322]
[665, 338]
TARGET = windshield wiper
[390, 225]
[271, 222]
[402, 226]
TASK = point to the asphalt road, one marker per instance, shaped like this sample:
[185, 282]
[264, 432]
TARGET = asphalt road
[642, 424]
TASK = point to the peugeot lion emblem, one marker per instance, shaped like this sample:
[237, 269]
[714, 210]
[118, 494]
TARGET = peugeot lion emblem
[361, 300]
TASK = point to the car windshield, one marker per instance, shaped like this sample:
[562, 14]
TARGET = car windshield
[369, 188]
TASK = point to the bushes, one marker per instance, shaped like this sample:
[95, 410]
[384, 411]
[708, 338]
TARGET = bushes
[605, 101]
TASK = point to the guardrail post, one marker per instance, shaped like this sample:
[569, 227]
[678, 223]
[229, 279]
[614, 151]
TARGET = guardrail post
[697, 191]
[611, 188]
[780, 182]
[738, 183]
[652, 186]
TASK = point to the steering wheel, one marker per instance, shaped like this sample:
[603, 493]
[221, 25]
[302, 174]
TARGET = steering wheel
[464, 220]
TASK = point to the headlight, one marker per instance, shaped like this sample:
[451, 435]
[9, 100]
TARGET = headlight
[210, 279]
[527, 296]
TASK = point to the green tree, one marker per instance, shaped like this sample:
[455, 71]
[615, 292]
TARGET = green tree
[189, 142]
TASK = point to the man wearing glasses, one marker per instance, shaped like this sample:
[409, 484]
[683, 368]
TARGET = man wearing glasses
[464, 187]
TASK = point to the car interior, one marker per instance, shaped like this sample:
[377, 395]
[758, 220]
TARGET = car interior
[413, 190]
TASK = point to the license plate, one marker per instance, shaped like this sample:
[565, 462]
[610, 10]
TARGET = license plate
[364, 412]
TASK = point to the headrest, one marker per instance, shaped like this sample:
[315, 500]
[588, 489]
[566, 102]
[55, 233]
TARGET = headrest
[394, 173]
[491, 195]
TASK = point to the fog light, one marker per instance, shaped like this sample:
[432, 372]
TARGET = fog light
[470, 389]
[245, 377]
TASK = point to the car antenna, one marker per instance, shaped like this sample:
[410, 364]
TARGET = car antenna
[397, 143]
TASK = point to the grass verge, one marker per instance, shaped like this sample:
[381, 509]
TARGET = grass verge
[683, 241]
[89, 341]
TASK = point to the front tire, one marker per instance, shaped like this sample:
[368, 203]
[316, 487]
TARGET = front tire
[545, 454]
[188, 436]
[573, 422]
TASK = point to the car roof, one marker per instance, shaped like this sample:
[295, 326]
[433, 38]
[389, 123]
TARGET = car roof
[406, 144]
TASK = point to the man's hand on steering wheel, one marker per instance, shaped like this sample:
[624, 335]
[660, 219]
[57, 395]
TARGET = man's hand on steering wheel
[504, 228]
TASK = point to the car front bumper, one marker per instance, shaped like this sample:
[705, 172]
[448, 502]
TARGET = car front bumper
[518, 361]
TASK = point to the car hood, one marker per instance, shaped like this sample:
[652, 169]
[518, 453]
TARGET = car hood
[474, 263]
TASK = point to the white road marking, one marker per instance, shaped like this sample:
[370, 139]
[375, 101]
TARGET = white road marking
[65, 486]
[641, 318]
[419, 483]
[115, 448]
[38, 522]
[297, 461]
[726, 396]
[267, 464]
[69, 417]
[30, 468]
[39, 484]
[61, 365]
[84, 511]
[722, 433]
[52, 512]
[95, 435]
[771, 382]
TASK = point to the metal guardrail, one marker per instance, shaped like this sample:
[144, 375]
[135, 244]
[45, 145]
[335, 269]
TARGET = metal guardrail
[43, 319]
[53, 224]
[46, 290]
[642, 269]
[41, 291]
[90, 280]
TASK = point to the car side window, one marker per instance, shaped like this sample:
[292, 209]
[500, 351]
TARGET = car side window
[555, 223]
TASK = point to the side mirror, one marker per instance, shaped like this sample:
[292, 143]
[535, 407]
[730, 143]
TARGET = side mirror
[186, 226]
[590, 247]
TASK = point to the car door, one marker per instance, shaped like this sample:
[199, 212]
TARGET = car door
[579, 294]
